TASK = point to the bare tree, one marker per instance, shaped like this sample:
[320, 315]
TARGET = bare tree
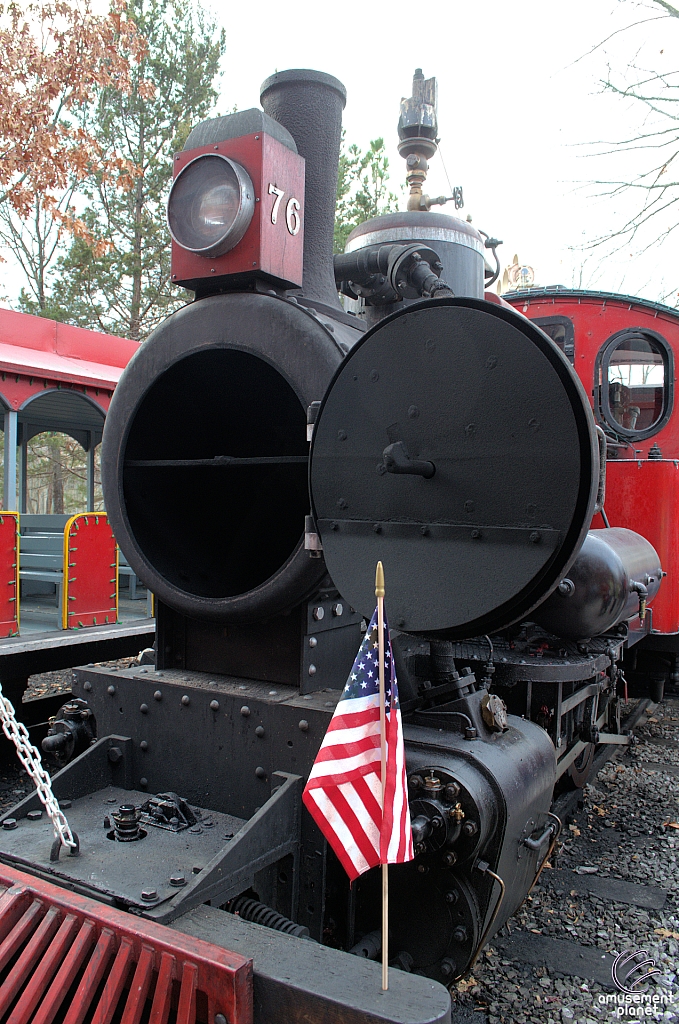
[653, 189]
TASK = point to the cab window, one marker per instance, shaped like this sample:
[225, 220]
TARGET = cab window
[560, 330]
[634, 371]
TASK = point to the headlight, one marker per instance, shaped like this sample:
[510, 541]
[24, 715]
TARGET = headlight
[210, 206]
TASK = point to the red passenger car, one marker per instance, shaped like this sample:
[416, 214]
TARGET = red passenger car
[624, 351]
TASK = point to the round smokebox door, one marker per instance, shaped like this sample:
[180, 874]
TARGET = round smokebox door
[455, 444]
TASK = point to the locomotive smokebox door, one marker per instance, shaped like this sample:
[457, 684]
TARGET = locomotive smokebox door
[455, 444]
[236, 206]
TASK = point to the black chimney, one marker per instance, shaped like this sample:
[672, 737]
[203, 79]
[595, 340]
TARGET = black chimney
[310, 104]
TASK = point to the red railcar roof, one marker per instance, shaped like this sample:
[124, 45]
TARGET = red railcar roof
[39, 347]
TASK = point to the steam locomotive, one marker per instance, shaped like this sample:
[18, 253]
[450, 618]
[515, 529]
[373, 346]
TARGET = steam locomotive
[263, 450]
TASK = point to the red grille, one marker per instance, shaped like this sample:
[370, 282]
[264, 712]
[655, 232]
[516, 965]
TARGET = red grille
[65, 959]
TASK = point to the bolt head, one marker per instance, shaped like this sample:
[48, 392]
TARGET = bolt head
[149, 895]
[9, 824]
[447, 967]
[177, 881]
[34, 815]
[319, 613]
[460, 934]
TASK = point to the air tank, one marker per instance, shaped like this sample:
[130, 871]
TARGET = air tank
[616, 574]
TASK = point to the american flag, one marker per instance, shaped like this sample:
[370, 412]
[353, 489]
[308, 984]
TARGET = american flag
[344, 790]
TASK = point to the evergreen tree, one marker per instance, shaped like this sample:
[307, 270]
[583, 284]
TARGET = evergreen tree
[127, 290]
[362, 188]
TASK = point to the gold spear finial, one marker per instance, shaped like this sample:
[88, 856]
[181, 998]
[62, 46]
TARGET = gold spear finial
[379, 580]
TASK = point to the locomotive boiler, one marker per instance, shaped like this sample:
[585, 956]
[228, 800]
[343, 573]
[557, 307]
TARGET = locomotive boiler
[262, 452]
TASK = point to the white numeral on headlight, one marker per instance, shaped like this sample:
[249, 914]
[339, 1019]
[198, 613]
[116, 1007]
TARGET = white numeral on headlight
[292, 217]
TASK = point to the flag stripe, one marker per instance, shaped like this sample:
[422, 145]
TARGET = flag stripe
[344, 790]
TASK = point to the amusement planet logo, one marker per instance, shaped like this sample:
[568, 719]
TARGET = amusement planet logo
[628, 971]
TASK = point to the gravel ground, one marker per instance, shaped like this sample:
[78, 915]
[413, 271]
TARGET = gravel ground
[628, 828]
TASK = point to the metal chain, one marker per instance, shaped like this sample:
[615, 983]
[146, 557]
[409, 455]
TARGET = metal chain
[30, 758]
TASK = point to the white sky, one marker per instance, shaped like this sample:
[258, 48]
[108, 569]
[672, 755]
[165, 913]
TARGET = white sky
[514, 110]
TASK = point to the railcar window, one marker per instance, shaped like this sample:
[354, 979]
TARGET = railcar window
[560, 329]
[635, 383]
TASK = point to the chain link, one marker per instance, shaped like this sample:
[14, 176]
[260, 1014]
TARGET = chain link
[30, 758]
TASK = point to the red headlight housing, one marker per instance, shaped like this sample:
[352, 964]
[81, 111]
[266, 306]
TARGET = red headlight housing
[235, 211]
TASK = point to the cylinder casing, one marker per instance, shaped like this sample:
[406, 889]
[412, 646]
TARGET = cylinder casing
[598, 592]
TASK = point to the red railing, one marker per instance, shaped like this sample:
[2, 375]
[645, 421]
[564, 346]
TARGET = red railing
[90, 572]
[9, 574]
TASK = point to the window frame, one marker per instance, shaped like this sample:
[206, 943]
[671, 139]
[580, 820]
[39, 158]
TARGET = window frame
[601, 393]
[569, 340]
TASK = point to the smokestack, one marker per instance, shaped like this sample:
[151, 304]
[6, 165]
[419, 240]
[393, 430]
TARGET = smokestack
[310, 104]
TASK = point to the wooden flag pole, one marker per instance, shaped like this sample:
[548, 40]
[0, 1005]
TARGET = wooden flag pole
[379, 594]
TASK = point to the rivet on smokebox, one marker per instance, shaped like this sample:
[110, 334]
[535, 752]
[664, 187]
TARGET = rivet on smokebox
[143, 783]
[87, 686]
[260, 773]
[144, 745]
[259, 731]
[304, 725]
[186, 700]
[144, 708]
[157, 695]
[214, 705]
[111, 689]
[245, 711]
